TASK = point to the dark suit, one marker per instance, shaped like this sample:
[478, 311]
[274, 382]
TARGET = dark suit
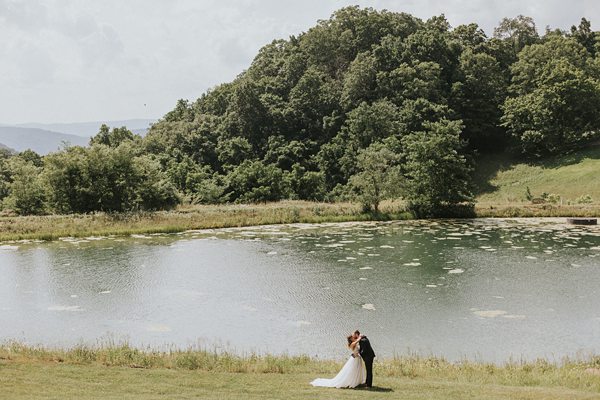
[367, 354]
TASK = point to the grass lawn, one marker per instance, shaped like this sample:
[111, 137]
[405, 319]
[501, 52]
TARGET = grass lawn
[42, 381]
[503, 180]
[123, 372]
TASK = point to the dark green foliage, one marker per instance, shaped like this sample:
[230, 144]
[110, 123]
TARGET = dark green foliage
[437, 175]
[254, 181]
[26, 193]
[101, 178]
[556, 97]
[112, 138]
[518, 32]
[477, 96]
[294, 124]
[31, 157]
[378, 176]
[585, 36]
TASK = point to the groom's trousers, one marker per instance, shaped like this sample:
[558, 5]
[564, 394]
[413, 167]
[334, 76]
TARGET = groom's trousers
[369, 368]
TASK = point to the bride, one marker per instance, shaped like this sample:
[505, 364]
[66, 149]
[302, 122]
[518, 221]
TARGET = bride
[352, 373]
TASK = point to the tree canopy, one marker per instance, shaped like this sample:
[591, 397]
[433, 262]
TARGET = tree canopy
[362, 103]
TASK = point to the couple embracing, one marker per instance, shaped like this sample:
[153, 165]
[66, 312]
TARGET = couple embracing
[353, 373]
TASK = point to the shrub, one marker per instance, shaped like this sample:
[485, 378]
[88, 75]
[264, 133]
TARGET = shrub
[584, 199]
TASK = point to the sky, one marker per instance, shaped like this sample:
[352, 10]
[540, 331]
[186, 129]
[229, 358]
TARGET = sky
[89, 60]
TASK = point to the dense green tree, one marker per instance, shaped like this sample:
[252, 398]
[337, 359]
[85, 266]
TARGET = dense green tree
[477, 96]
[112, 138]
[26, 194]
[369, 123]
[360, 81]
[378, 178]
[438, 179]
[254, 181]
[247, 115]
[556, 95]
[534, 62]
[561, 114]
[415, 114]
[518, 32]
[471, 36]
[5, 178]
[101, 178]
[584, 35]
[304, 184]
[183, 111]
[422, 80]
[175, 140]
[210, 190]
[285, 154]
[31, 157]
[233, 151]
[152, 190]
[313, 97]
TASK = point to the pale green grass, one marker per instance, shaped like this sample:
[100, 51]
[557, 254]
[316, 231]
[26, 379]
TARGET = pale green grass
[125, 373]
[502, 180]
[33, 382]
[188, 217]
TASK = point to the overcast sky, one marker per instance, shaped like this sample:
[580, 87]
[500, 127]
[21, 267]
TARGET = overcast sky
[88, 60]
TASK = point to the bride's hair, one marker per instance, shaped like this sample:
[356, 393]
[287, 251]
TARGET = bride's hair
[350, 340]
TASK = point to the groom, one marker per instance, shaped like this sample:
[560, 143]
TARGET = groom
[367, 354]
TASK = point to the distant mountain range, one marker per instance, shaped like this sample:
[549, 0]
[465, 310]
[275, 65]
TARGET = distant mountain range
[47, 138]
[5, 147]
[39, 140]
[87, 129]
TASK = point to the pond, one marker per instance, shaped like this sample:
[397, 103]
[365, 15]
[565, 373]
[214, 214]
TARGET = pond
[486, 289]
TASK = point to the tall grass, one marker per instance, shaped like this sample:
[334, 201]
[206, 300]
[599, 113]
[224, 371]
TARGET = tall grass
[184, 218]
[124, 355]
[571, 373]
[508, 210]
[50, 227]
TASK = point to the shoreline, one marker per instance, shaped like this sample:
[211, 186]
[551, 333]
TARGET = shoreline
[123, 354]
[52, 227]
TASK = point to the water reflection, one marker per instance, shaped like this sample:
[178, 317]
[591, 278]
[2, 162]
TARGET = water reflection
[485, 288]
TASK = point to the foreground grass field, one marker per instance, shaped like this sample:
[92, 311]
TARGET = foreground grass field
[94, 382]
[126, 373]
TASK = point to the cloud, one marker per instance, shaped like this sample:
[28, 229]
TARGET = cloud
[76, 60]
[25, 15]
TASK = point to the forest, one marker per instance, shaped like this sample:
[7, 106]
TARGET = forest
[365, 106]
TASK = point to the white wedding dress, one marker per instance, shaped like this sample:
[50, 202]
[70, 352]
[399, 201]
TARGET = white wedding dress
[351, 375]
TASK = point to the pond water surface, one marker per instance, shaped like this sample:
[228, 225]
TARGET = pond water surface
[482, 289]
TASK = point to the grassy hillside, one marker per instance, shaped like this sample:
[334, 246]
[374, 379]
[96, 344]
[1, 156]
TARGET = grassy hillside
[503, 180]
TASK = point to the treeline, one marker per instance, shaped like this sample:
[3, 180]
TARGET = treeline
[368, 104]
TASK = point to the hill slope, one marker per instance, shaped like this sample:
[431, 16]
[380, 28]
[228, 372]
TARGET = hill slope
[501, 179]
[38, 140]
[5, 147]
